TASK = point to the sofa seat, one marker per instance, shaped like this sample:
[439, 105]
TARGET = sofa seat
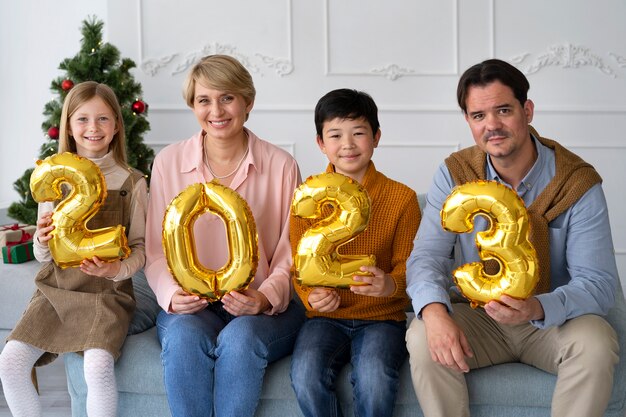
[18, 287]
[514, 389]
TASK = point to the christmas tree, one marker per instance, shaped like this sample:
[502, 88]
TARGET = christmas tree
[100, 62]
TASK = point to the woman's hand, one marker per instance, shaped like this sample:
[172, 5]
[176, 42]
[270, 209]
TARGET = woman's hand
[324, 300]
[184, 303]
[98, 268]
[44, 227]
[246, 302]
[378, 283]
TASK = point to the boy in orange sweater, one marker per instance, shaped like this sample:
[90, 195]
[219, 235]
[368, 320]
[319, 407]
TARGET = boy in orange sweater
[363, 325]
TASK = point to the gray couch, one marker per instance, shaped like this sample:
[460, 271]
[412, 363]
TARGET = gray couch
[504, 390]
[17, 285]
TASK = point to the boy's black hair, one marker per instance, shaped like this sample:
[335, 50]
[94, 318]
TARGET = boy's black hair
[346, 103]
[489, 71]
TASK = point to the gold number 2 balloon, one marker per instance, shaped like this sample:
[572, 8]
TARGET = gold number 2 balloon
[180, 248]
[71, 240]
[317, 262]
[506, 241]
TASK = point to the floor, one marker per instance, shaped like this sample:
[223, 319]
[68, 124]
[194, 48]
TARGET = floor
[55, 399]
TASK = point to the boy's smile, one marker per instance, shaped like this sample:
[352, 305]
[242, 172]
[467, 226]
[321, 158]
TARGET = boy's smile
[349, 145]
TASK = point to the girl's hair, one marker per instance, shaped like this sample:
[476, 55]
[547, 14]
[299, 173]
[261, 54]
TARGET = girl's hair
[79, 95]
[220, 72]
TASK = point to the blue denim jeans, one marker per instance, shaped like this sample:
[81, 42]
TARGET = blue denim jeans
[376, 350]
[214, 362]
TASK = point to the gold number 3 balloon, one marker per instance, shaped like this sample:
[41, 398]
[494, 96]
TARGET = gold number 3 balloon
[71, 240]
[317, 262]
[506, 241]
[180, 248]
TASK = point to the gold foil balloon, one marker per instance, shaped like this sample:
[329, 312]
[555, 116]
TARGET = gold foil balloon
[317, 262]
[506, 241]
[72, 241]
[180, 248]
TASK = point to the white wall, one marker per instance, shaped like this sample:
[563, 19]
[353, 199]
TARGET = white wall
[35, 36]
[408, 54]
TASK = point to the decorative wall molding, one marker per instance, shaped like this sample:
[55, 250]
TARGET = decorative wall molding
[300, 108]
[620, 147]
[392, 71]
[252, 61]
[492, 28]
[445, 145]
[621, 60]
[565, 55]
[287, 146]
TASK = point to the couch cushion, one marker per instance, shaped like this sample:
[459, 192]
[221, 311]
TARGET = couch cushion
[138, 370]
[147, 307]
[504, 390]
[18, 285]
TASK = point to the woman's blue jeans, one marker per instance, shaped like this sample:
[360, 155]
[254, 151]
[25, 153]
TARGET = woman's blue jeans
[376, 350]
[214, 362]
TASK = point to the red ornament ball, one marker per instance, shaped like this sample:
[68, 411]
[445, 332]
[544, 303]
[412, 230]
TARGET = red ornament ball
[53, 132]
[67, 85]
[139, 107]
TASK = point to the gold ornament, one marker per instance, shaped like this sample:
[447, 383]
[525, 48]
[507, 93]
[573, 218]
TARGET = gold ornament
[317, 262]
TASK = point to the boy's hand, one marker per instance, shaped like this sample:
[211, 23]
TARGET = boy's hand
[379, 283]
[98, 268]
[324, 300]
[44, 227]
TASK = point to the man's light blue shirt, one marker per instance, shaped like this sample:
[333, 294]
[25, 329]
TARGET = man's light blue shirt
[583, 271]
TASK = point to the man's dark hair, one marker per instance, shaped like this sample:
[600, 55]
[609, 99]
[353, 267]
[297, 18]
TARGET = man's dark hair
[346, 103]
[489, 71]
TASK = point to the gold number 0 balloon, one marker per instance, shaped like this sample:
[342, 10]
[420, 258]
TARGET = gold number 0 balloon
[71, 240]
[317, 262]
[506, 241]
[180, 248]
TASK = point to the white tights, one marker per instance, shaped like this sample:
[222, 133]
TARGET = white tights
[16, 362]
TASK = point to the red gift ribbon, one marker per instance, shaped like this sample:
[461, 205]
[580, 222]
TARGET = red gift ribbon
[25, 236]
[28, 258]
[15, 226]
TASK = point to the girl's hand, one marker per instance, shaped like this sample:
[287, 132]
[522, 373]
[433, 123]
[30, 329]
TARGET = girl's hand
[380, 284]
[324, 300]
[185, 303]
[44, 227]
[246, 302]
[98, 268]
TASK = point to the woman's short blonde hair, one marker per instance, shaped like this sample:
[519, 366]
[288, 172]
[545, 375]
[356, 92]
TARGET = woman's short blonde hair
[220, 72]
[79, 95]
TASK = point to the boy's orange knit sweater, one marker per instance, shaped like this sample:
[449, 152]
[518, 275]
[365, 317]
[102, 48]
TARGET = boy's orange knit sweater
[394, 219]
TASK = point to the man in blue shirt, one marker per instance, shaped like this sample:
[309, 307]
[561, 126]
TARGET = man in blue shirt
[560, 328]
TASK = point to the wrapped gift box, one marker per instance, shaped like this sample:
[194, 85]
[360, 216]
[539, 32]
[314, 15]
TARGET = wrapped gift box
[16, 233]
[18, 253]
